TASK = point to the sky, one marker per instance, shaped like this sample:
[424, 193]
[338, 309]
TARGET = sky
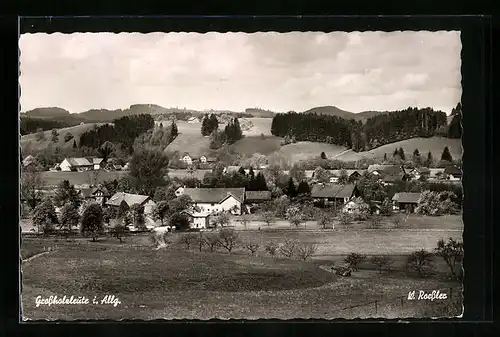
[355, 71]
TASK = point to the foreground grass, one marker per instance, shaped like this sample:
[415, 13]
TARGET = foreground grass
[176, 284]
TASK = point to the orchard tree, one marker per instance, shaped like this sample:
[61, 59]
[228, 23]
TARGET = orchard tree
[306, 250]
[268, 217]
[251, 245]
[382, 263]
[421, 261]
[44, 216]
[228, 239]
[354, 260]
[271, 248]
[161, 211]
[92, 221]
[69, 218]
[325, 220]
[451, 251]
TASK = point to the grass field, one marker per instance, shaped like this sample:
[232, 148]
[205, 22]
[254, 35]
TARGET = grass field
[174, 283]
[77, 178]
[194, 144]
[250, 145]
[434, 144]
[32, 142]
[260, 126]
[307, 150]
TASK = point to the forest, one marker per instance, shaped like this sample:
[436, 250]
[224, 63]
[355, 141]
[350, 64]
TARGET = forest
[124, 131]
[376, 131]
[31, 125]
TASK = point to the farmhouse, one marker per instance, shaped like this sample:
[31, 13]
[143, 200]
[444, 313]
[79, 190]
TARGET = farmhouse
[206, 160]
[453, 173]
[197, 220]
[405, 201]
[130, 199]
[257, 197]
[214, 200]
[98, 194]
[382, 170]
[80, 164]
[333, 194]
[352, 175]
[419, 172]
[436, 174]
[186, 158]
[309, 174]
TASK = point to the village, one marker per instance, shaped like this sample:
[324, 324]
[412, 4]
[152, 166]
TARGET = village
[335, 188]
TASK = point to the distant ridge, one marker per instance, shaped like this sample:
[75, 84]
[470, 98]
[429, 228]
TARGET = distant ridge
[335, 111]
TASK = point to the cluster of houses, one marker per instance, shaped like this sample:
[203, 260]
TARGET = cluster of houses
[190, 160]
[78, 164]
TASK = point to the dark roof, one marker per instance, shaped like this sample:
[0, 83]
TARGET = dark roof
[257, 195]
[406, 197]
[214, 195]
[453, 170]
[332, 191]
[386, 169]
[89, 192]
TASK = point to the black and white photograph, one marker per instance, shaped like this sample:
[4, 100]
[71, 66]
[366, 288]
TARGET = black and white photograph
[266, 175]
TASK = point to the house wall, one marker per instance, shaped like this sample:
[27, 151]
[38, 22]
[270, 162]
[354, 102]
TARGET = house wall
[97, 166]
[226, 205]
[203, 159]
[452, 177]
[187, 160]
[65, 165]
[199, 222]
[149, 206]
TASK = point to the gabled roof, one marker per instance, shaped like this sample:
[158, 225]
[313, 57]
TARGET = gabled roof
[91, 191]
[214, 195]
[338, 173]
[406, 197]
[257, 195]
[83, 161]
[332, 191]
[232, 168]
[453, 170]
[129, 199]
[386, 169]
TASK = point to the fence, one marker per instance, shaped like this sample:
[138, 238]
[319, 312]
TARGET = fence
[403, 306]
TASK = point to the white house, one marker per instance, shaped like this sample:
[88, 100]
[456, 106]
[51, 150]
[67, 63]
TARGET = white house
[215, 200]
[80, 164]
[130, 199]
[197, 220]
[187, 159]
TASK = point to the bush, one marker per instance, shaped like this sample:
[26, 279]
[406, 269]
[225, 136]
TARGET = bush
[382, 263]
[421, 261]
[354, 260]
[288, 249]
[271, 248]
[306, 250]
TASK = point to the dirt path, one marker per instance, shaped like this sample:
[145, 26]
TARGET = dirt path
[36, 255]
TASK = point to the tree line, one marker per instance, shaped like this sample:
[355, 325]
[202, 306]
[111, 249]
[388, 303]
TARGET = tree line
[31, 125]
[124, 130]
[376, 131]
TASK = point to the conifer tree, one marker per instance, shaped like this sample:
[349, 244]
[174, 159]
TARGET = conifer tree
[429, 160]
[446, 155]
[291, 191]
[323, 155]
[303, 188]
[205, 126]
[401, 153]
[74, 144]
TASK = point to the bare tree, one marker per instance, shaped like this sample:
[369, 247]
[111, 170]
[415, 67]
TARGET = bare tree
[421, 261]
[325, 220]
[382, 263]
[251, 245]
[354, 260]
[306, 250]
[187, 239]
[268, 217]
[375, 221]
[451, 251]
[211, 240]
[288, 249]
[31, 183]
[396, 221]
[228, 239]
[244, 220]
[271, 248]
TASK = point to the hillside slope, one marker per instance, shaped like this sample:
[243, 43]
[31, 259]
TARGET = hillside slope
[35, 144]
[433, 144]
[307, 150]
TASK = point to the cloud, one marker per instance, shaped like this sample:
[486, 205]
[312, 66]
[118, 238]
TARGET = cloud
[355, 71]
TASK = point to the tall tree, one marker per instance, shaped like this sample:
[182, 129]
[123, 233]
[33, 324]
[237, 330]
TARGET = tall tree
[401, 153]
[416, 158]
[105, 150]
[303, 188]
[74, 144]
[44, 216]
[31, 184]
[385, 157]
[251, 173]
[429, 161]
[205, 126]
[148, 168]
[173, 131]
[66, 193]
[161, 211]
[93, 221]
[69, 218]
[291, 190]
[446, 155]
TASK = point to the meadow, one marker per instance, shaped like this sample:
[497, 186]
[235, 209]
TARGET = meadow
[175, 283]
[78, 178]
[31, 143]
